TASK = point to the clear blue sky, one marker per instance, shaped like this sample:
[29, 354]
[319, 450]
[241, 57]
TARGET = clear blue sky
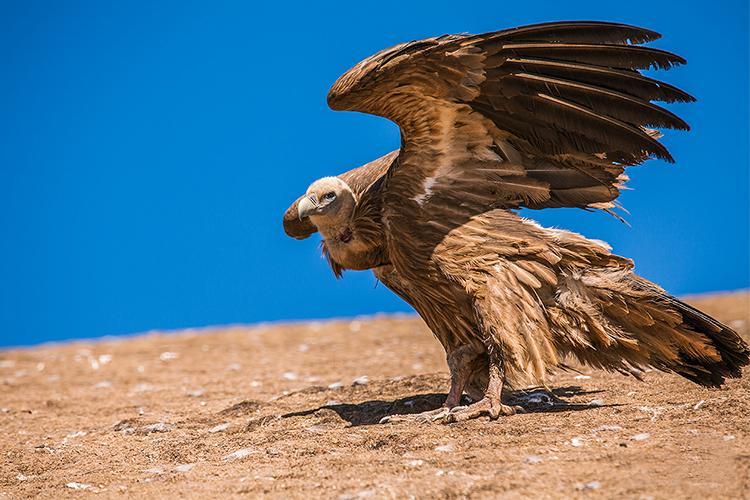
[148, 150]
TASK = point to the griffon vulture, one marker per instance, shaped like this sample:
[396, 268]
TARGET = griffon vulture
[540, 116]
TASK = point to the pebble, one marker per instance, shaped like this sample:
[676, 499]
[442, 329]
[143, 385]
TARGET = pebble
[364, 379]
[336, 385]
[728, 437]
[608, 428]
[78, 486]
[184, 468]
[195, 393]
[239, 454]
[415, 463]
[445, 448]
[289, 376]
[157, 427]
[22, 477]
[332, 402]
[582, 377]
[699, 404]
[577, 442]
[596, 402]
[218, 428]
[532, 459]
[593, 485]
[168, 356]
[155, 470]
[641, 437]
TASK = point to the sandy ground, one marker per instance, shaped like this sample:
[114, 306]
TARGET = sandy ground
[292, 410]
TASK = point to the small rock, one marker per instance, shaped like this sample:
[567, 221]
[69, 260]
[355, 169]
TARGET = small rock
[184, 468]
[332, 402]
[608, 428]
[78, 486]
[699, 404]
[641, 437]
[728, 437]
[596, 402]
[532, 459]
[22, 477]
[168, 356]
[593, 485]
[582, 377]
[196, 393]
[289, 376]
[157, 427]
[239, 454]
[415, 463]
[364, 379]
[336, 385]
[445, 448]
[104, 359]
[417, 366]
[577, 442]
[155, 470]
[218, 428]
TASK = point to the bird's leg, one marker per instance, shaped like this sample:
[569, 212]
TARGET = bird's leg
[460, 365]
[491, 404]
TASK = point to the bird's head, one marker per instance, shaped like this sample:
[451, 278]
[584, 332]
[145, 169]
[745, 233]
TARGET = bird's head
[328, 202]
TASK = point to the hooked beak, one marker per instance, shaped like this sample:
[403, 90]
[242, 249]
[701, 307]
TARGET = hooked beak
[306, 207]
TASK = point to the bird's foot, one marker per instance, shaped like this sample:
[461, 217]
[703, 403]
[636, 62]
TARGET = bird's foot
[490, 407]
[425, 417]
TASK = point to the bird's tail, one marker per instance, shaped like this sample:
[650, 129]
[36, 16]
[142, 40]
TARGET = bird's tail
[632, 323]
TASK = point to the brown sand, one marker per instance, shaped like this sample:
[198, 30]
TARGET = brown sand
[273, 411]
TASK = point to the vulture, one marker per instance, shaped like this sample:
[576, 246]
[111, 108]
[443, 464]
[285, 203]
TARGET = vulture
[541, 116]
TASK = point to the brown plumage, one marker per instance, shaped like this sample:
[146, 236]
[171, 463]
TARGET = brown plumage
[539, 116]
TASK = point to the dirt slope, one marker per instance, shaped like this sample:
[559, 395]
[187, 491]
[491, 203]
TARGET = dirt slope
[292, 410]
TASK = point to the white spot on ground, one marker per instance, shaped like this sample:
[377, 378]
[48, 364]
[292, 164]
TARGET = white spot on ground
[361, 380]
[641, 437]
[240, 454]
[168, 356]
[532, 459]
[184, 468]
[218, 428]
[78, 486]
[445, 448]
[577, 442]
[289, 376]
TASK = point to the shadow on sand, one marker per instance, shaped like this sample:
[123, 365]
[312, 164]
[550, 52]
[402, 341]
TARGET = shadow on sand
[534, 400]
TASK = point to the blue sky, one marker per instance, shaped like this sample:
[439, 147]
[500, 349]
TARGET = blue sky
[149, 149]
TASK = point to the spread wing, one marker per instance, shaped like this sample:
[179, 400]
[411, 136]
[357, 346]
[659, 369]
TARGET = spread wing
[540, 116]
[360, 179]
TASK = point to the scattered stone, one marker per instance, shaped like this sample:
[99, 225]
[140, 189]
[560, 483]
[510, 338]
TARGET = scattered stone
[415, 463]
[699, 404]
[332, 402]
[336, 385]
[240, 454]
[582, 377]
[728, 437]
[445, 448]
[155, 470]
[417, 366]
[78, 486]
[184, 468]
[532, 459]
[22, 477]
[256, 383]
[596, 402]
[43, 448]
[641, 437]
[289, 376]
[362, 380]
[168, 356]
[608, 428]
[218, 428]
[196, 393]
[104, 359]
[577, 442]
[592, 485]
[151, 428]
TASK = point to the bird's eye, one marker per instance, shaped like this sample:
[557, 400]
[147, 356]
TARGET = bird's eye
[329, 196]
